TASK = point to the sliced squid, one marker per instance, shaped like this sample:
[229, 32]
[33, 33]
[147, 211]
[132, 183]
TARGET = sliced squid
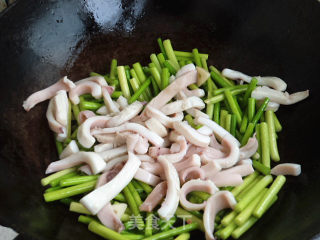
[176, 86]
[211, 169]
[61, 106]
[126, 114]
[274, 82]
[96, 163]
[233, 153]
[226, 179]
[193, 161]
[191, 173]
[216, 203]
[111, 107]
[176, 157]
[286, 169]
[96, 79]
[196, 185]
[84, 135]
[284, 98]
[161, 117]
[106, 215]
[142, 146]
[47, 93]
[191, 134]
[54, 125]
[146, 177]
[114, 152]
[154, 198]
[249, 149]
[97, 199]
[123, 102]
[86, 87]
[84, 115]
[218, 131]
[156, 126]
[171, 202]
[102, 147]
[70, 149]
[151, 136]
[182, 105]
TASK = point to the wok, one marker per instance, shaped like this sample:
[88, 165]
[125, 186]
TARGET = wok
[41, 41]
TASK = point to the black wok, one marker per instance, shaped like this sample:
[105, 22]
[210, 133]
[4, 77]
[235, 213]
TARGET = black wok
[40, 41]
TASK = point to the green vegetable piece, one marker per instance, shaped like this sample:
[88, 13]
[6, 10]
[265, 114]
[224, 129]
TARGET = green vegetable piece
[189, 55]
[135, 86]
[249, 179]
[113, 68]
[196, 57]
[277, 123]
[226, 232]
[45, 181]
[143, 88]
[233, 105]
[247, 212]
[52, 189]
[77, 180]
[260, 111]
[229, 218]
[223, 115]
[155, 87]
[146, 187]
[123, 82]
[79, 208]
[265, 144]
[221, 90]
[220, 97]
[168, 65]
[247, 189]
[260, 167]
[254, 191]
[86, 219]
[165, 75]
[219, 79]
[272, 136]
[162, 49]
[59, 147]
[251, 108]
[248, 133]
[156, 75]
[174, 232]
[188, 216]
[75, 111]
[252, 85]
[116, 94]
[228, 122]
[183, 236]
[169, 51]
[69, 192]
[56, 182]
[148, 229]
[269, 195]
[216, 112]
[161, 59]
[105, 232]
[156, 62]
[135, 194]
[239, 231]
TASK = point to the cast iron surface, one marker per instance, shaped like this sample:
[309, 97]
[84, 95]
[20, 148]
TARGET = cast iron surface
[40, 41]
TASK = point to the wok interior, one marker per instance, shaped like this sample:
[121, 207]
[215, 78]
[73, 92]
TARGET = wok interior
[258, 38]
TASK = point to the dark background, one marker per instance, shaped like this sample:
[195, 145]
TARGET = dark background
[40, 41]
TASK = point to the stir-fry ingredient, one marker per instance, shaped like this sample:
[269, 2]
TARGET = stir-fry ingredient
[158, 151]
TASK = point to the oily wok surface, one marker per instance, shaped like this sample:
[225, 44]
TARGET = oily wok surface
[40, 41]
